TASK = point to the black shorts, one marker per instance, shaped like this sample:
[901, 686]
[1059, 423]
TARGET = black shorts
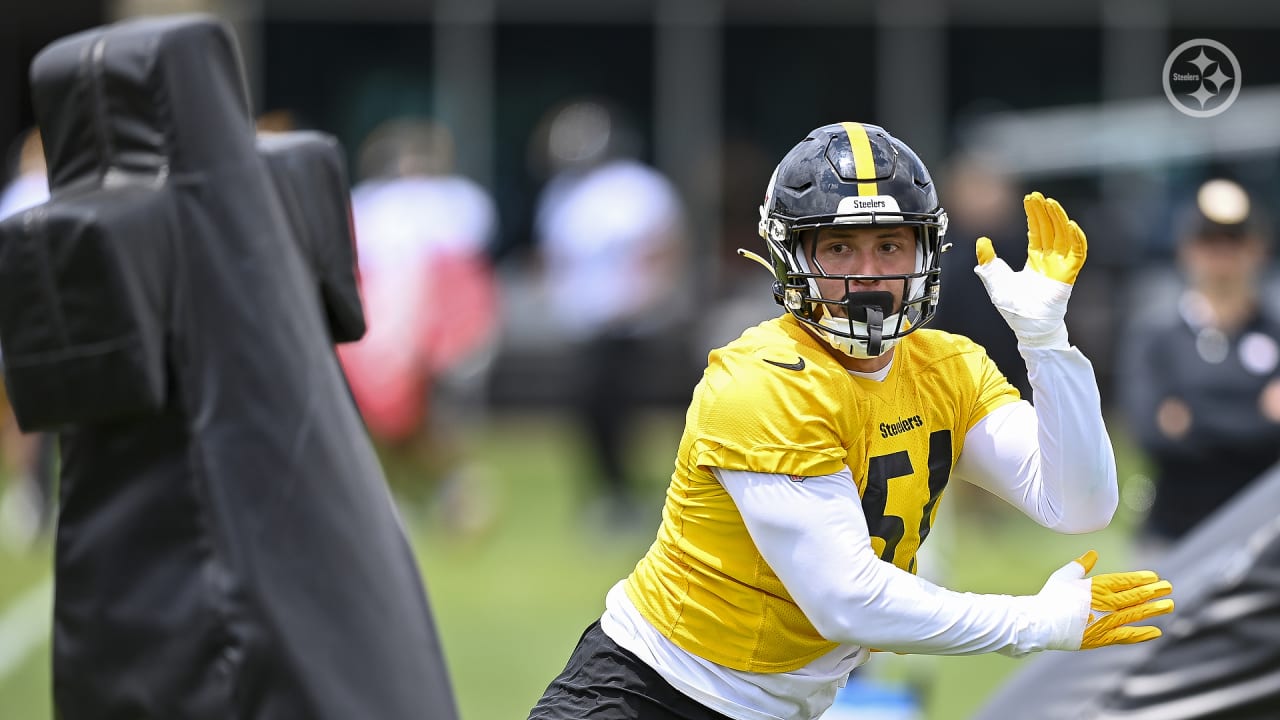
[606, 682]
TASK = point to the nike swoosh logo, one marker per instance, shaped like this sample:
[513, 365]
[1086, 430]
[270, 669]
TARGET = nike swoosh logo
[797, 365]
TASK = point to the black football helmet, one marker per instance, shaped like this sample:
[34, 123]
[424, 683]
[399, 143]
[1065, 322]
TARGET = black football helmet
[853, 174]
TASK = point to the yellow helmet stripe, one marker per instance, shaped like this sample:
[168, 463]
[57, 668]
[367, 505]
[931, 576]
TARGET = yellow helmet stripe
[863, 163]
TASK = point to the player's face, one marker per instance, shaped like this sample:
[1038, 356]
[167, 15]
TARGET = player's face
[863, 251]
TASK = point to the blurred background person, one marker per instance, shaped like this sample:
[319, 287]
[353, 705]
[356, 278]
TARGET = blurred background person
[1202, 391]
[276, 120]
[418, 376]
[609, 232]
[29, 459]
[736, 299]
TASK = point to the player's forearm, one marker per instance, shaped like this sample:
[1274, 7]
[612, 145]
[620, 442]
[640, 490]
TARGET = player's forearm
[813, 534]
[892, 610]
[1074, 482]
[1078, 487]
[1052, 461]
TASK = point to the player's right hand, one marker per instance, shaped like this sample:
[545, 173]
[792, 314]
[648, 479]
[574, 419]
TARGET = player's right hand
[1101, 610]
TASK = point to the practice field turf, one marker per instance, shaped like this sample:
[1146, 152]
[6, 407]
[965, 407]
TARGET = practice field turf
[512, 600]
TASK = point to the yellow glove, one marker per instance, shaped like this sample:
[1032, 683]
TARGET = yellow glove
[1120, 599]
[1034, 300]
[1082, 613]
[1056, 246]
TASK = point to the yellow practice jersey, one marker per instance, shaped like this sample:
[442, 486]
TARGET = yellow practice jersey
[776, 401]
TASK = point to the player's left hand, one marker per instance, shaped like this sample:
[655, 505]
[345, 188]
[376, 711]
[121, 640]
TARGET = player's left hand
[1034, 300]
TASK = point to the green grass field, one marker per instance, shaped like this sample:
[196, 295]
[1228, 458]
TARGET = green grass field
[511, 602]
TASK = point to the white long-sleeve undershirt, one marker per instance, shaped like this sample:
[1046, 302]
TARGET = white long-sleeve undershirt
[1053, 461]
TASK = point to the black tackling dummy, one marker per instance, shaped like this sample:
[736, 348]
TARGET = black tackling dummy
[226, 544]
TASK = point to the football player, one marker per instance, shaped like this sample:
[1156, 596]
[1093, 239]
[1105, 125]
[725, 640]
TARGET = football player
[818, 445]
